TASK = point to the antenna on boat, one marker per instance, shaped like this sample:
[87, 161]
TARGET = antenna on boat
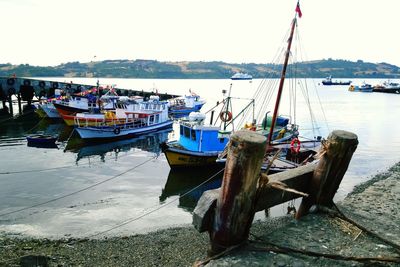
[283, 73]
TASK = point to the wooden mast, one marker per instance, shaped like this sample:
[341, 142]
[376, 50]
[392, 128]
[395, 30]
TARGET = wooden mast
[280, 89]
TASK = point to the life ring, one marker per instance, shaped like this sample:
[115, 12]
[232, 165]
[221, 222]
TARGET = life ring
[225, 116]
[10, 81]
[295, 145]
[117, 130]
[42, 84]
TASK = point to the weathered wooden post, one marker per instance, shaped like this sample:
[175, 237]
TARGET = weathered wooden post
[10, 107]
[19, 103]
[336, 154]
[235, 206]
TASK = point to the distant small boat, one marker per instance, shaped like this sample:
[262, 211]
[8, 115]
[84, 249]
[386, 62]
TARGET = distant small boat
[387, 87]
[41, 140]
[364, 87]
[184, 105]
[241, 76]
[328, 81]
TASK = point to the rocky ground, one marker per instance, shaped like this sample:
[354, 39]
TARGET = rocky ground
[374, 205]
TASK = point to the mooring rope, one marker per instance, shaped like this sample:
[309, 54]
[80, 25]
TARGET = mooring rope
[155, 209]
[78, 191]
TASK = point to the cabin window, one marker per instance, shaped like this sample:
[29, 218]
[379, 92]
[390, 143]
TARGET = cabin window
[193, 134]
[186, 133]
[157, 117]
[221, 140]
[151, 119]
[181, 130]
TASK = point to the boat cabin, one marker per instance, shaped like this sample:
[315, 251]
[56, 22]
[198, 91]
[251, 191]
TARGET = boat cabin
[201, 138]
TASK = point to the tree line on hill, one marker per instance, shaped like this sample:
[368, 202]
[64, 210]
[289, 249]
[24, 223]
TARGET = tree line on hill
[202, 70]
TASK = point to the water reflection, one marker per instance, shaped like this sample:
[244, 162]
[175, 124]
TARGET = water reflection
[149, 143]
[189, 185]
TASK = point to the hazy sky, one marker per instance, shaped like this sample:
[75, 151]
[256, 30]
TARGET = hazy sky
[50, 32]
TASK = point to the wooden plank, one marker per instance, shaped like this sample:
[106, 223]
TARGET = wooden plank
[298, 178]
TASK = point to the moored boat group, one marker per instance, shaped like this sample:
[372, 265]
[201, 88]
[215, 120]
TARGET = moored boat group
[384, 87]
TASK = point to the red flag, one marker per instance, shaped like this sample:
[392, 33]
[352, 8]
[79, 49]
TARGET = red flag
[298, 10]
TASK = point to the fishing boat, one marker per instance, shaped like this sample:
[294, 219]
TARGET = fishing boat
[110, 116]
[151, 116]
[328, 81]
[387, 87]
[286, 147]
[87, 101]
[200, 143]
[364, 87]
[182, 106]
[241, 76]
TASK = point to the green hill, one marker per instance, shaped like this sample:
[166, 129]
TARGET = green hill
[202, 70]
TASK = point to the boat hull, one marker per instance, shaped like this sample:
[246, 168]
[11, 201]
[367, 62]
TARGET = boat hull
[178, 158]
[66, 110]
[50, 110]
[336, 83]
[119, 131]
[72, 120]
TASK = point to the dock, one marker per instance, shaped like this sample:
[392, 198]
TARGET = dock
[25, 89]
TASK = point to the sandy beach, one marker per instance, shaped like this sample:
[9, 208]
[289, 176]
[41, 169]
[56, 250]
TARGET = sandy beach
[375, 205]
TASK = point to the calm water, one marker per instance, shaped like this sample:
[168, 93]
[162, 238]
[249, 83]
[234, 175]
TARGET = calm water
[125, 180]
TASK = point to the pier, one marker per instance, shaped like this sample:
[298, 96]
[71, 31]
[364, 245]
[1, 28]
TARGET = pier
[25, 89]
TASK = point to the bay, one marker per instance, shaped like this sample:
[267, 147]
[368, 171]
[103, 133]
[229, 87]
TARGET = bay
[127, 185]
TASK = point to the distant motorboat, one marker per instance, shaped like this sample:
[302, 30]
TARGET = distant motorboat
[241, 76]
[328, 81]
[364, 87]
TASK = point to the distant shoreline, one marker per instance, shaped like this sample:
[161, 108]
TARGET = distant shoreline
[153, 69]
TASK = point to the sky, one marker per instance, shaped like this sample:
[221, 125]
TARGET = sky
[51, 32]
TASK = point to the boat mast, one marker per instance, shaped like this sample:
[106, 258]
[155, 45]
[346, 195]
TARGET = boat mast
[282, 80]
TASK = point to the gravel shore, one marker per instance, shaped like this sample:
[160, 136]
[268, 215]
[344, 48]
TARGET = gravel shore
[374, 205]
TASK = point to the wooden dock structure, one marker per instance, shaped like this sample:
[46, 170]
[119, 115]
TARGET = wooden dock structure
[25, 89]
[227, 213]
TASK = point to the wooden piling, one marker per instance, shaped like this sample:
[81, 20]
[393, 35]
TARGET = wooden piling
[10, 105]
[336, 154]
[236, 202]
[19, 103]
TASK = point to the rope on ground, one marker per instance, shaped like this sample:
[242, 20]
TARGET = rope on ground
[287, 250]
[219, 255]
[339, 213]
[154, 210]
[78, 191]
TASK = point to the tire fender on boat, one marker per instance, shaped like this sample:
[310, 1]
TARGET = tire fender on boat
[117, 130]
[10, 81]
